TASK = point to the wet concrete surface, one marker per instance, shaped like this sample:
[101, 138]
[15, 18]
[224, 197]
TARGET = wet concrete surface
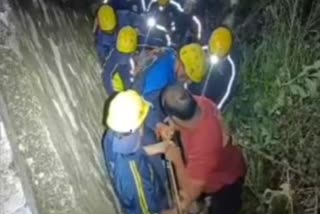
[16, 196]
[51, 87]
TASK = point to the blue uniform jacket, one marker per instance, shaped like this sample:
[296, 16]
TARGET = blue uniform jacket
[118, 62]
[179, 24]
[159, 74]
[136, 183]
[106, 42]
[154, 79]
[223, 81]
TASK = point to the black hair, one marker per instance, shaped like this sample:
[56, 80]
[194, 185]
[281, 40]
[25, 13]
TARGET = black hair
[179, 102]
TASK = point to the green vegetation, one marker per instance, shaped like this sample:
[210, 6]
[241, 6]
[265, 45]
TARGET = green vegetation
[277, 111]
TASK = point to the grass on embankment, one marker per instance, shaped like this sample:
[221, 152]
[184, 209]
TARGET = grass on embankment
[277, 111]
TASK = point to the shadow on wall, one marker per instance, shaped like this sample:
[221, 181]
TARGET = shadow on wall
[51, 85]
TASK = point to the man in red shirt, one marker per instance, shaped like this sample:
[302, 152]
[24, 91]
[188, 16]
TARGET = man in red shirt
[214, 167]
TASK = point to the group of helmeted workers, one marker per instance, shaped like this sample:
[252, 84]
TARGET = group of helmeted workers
[167, 89]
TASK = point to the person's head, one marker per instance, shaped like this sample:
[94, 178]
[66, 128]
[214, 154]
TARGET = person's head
[192, 64]
[127, 112]
[163, 3]
[107, 18]
[221, 42]
[126, 115]
[127, 40]
[179, 105]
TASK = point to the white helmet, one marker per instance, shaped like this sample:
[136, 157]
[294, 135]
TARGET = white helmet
[127, 112]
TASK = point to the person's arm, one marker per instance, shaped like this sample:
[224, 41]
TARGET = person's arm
[193, 177]
[190, 189]
[166, 129]
[157, 148]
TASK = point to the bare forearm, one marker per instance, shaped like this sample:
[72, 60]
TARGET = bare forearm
[155, 149]
[190, 190]
[181, 175]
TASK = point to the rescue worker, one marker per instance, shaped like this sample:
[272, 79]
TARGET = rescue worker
[118, 72]
[159, 69]
[182, 27]
[215, 167]
[136, 182]
[108, 23]
[223, 62]
[165, 68]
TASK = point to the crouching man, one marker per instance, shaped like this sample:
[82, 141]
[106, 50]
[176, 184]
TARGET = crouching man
[214, 168]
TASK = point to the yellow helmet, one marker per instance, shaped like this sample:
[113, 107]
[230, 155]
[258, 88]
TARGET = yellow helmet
[163, 3]
[127, 112]
[107, 18]
[127, 41]
[117, 82]
[193, 58]
[221, 42]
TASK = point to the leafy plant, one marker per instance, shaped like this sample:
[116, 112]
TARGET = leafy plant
[277, 112]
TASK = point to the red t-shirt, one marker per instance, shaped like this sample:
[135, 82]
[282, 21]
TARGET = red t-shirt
[208, 159]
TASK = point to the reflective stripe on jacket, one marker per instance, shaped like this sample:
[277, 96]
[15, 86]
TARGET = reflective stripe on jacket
[222, 81]
[137, 185]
